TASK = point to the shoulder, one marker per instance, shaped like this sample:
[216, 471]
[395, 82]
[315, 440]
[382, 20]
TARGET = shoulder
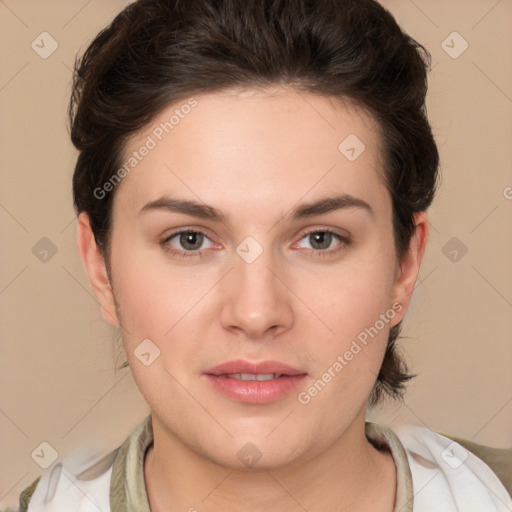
[112, 481]
[469, 475]
[58, 489]
[498, 459]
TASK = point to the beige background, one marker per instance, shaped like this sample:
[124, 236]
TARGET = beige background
[58, 378]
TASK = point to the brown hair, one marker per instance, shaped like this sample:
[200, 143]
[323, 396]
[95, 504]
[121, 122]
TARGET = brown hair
[157, 52]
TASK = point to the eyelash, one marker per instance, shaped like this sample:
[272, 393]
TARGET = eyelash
[345, 242]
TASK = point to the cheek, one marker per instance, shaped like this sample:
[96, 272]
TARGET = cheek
[153, 296]
[349, 298]
[170, 306]
[162, 308]
[354, 313]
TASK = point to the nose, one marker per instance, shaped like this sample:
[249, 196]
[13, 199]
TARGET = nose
[257, 301]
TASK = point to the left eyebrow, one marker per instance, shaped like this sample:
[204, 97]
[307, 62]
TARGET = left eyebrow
[330, 204]
[303, 211]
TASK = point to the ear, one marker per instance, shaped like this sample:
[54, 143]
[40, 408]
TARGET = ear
[409, 266]
[95, 266]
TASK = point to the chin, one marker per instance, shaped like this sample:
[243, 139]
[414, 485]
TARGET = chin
[256, 453]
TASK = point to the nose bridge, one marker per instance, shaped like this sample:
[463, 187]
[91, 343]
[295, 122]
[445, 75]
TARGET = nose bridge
[257, 299]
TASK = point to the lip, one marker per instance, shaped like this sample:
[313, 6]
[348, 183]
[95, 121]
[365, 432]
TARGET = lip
[241, 366]
[254, 391]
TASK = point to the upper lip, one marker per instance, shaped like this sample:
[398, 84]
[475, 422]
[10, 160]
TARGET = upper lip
[262, 367]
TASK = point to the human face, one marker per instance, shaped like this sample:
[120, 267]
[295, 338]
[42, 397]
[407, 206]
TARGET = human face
[256, 285]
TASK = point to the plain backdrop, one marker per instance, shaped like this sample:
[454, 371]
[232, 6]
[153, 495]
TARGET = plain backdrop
[58, 382]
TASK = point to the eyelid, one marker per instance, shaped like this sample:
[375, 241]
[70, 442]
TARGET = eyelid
[325, 229]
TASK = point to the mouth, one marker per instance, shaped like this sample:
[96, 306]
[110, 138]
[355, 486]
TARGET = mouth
[253, 376]
[256, 383]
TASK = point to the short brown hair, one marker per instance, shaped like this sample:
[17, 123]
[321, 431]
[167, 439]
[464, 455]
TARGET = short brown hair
[157, 52]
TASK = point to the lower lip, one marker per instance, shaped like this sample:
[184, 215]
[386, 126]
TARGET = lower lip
[255, 391]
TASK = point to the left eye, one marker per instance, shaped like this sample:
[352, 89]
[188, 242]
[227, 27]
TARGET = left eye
[322, 239]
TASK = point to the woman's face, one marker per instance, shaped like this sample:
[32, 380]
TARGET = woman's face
[255, 229]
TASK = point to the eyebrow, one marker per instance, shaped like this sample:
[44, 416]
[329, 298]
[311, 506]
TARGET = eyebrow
[304, 211]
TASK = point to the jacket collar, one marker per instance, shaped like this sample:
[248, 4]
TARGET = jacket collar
[128, 488]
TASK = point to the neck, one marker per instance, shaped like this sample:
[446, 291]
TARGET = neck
[350, 475]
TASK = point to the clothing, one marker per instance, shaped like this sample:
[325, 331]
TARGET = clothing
[434, 473]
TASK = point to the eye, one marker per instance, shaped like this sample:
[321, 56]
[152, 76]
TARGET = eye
[188, 241]
[321, 241]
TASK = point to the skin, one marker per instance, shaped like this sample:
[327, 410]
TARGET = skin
[255, 155]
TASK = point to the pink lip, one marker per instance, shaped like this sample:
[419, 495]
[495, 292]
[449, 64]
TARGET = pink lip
[241, 366]
[253, 391]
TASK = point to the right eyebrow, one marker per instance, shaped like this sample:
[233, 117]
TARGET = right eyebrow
[187, 207]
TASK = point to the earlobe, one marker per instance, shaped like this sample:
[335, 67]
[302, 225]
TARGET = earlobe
[409, 266]
[95, 266]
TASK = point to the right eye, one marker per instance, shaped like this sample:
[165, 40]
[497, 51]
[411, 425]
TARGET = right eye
[182, 242]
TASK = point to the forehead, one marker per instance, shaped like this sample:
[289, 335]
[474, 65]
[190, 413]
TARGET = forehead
[251, 144]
